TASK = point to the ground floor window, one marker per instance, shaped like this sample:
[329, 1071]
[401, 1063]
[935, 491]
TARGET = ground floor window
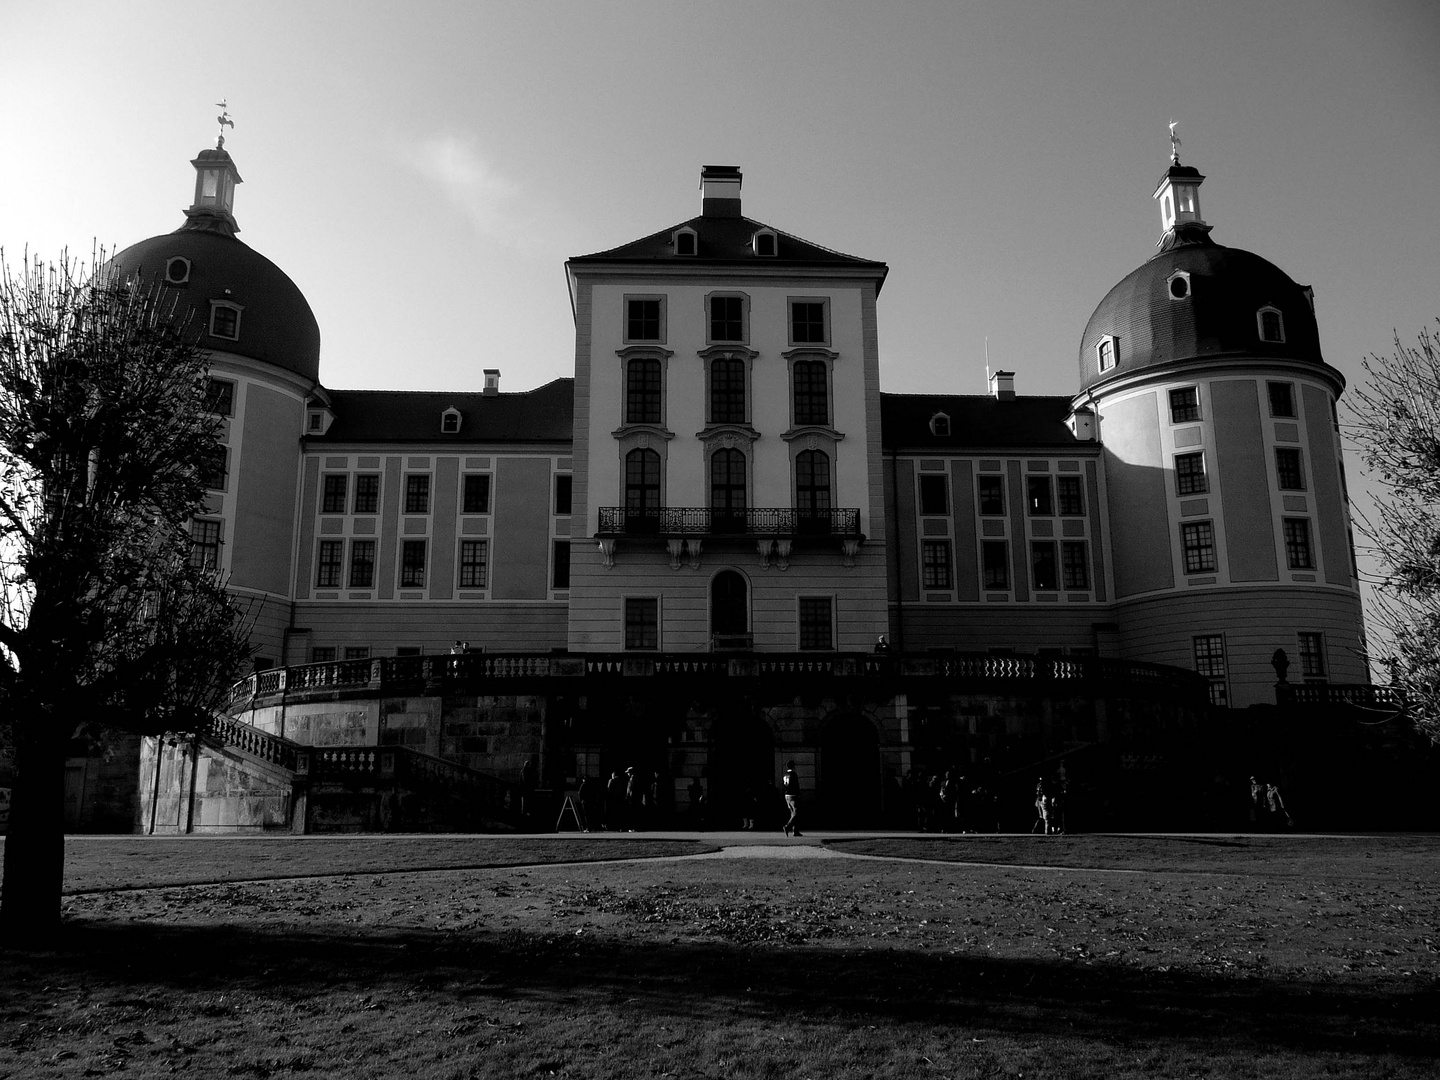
[642, 622]
[1210, 662]
[816, 623]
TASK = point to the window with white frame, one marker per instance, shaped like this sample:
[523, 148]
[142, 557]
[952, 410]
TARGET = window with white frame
[225, 320]
[1190, 476]
[995, 564]
[1210, 662]
[328, 566]
[642, 622]
[1270, 324]
[1197, 540]
[935, 564]
[474, 563]
[362, 564]
[412, 564]
[1107, 352]
[1312, 655]
[1298, 553]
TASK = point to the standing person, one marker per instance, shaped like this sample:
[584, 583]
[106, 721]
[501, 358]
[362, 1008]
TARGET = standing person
[529, 780]
[697, 803]
[1042, 809]
[634, 798]
[1257, 803]
[615, 803]
[1276, 805]
[791, 784]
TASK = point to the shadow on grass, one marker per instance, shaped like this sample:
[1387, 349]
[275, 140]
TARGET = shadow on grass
[894, 989]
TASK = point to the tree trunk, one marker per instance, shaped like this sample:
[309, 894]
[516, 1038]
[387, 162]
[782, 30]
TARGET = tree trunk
[35, 846]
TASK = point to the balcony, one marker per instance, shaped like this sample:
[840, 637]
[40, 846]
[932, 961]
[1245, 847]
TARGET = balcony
[683, 522]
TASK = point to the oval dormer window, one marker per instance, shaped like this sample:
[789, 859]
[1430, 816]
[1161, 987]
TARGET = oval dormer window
[177, 271]
[1179, 285]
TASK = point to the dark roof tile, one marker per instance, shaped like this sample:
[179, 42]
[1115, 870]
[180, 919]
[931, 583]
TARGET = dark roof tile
[542, 415]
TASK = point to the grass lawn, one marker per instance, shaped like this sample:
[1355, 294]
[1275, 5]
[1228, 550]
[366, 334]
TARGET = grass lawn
[439, 957]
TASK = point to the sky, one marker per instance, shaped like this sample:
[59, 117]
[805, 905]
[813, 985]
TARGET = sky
[423, 170]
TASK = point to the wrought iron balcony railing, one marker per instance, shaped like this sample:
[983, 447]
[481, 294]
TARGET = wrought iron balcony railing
[683, 521]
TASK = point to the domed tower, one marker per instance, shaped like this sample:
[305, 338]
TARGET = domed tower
[1229, 520]
[263, 345]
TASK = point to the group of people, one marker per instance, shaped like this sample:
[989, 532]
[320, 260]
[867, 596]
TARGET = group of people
[1267, 807]
[954, 801]
[1049, 805]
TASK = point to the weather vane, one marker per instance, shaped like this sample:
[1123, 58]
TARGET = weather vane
[224, 121]
[1174, 145]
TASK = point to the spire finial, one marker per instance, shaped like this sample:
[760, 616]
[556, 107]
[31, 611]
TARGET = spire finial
[1174, 145]
[224, 121]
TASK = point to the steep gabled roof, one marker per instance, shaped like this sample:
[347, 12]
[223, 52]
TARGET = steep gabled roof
[541, 415]
[978, 423]
[727, 241]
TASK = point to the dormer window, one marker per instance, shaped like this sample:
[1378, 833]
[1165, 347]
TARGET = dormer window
[177, 271]
[940, 425]
[225, 320]
[450, 421]
[316, 422]
[763, 243]
[1179, 285]
[1107, 352]
[1270, 324]
[684, 240]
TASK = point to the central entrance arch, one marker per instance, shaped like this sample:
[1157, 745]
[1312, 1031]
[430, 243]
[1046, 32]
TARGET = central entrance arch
[849, 773]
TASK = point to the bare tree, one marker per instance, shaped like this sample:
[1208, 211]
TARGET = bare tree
[1395, 421]
[106, 618]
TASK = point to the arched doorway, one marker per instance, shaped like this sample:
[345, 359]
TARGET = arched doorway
[849, 776]
[741, 768]
[729, 611]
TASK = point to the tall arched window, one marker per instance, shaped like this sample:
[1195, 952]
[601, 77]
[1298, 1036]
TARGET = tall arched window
[642, 491]
[729, 611]
[812, 490]
[727, 491]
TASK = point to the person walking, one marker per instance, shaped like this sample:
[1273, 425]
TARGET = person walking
[791, 784]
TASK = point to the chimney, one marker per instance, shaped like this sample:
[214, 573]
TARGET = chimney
[720, 191]
[492, 381]
[1002, 385]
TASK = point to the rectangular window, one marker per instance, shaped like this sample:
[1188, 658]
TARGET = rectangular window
[1037, 489]
[935, 564]
[220, 397]
[995, 563]
[357, 652]
[417, 493]
[727, 390]
[474, 563]
[475, 498]
[1072, 503]
[224, 322]
[1297, 544]
[807, 322]
[367, 493]
[1042, 566]
[1190, 476]
[816, 631]
[332, 499]
[322, 654]
[642, 622]
[812, 396]
[727, 318]
[327, 572]
[214, 469]
[1210, 662]
[1074, 567]
[992, 496]
[1282, 398]
[204, 543]
[560, 565]
[1289, 471]
[642, 391]
[1198, 540]
[642, 320]
[563, 487]
[934, 495]
[362, 564]
[1312, 655]
[1184, 405]
[412, 564]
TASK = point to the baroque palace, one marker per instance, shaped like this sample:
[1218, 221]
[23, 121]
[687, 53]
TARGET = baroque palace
[721, 546]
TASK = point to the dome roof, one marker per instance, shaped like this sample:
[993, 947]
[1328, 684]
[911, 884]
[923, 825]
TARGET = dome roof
[276, 323]
[1216, 314]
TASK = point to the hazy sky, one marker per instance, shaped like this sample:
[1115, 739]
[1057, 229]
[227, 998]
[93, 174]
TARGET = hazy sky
[422, 170]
